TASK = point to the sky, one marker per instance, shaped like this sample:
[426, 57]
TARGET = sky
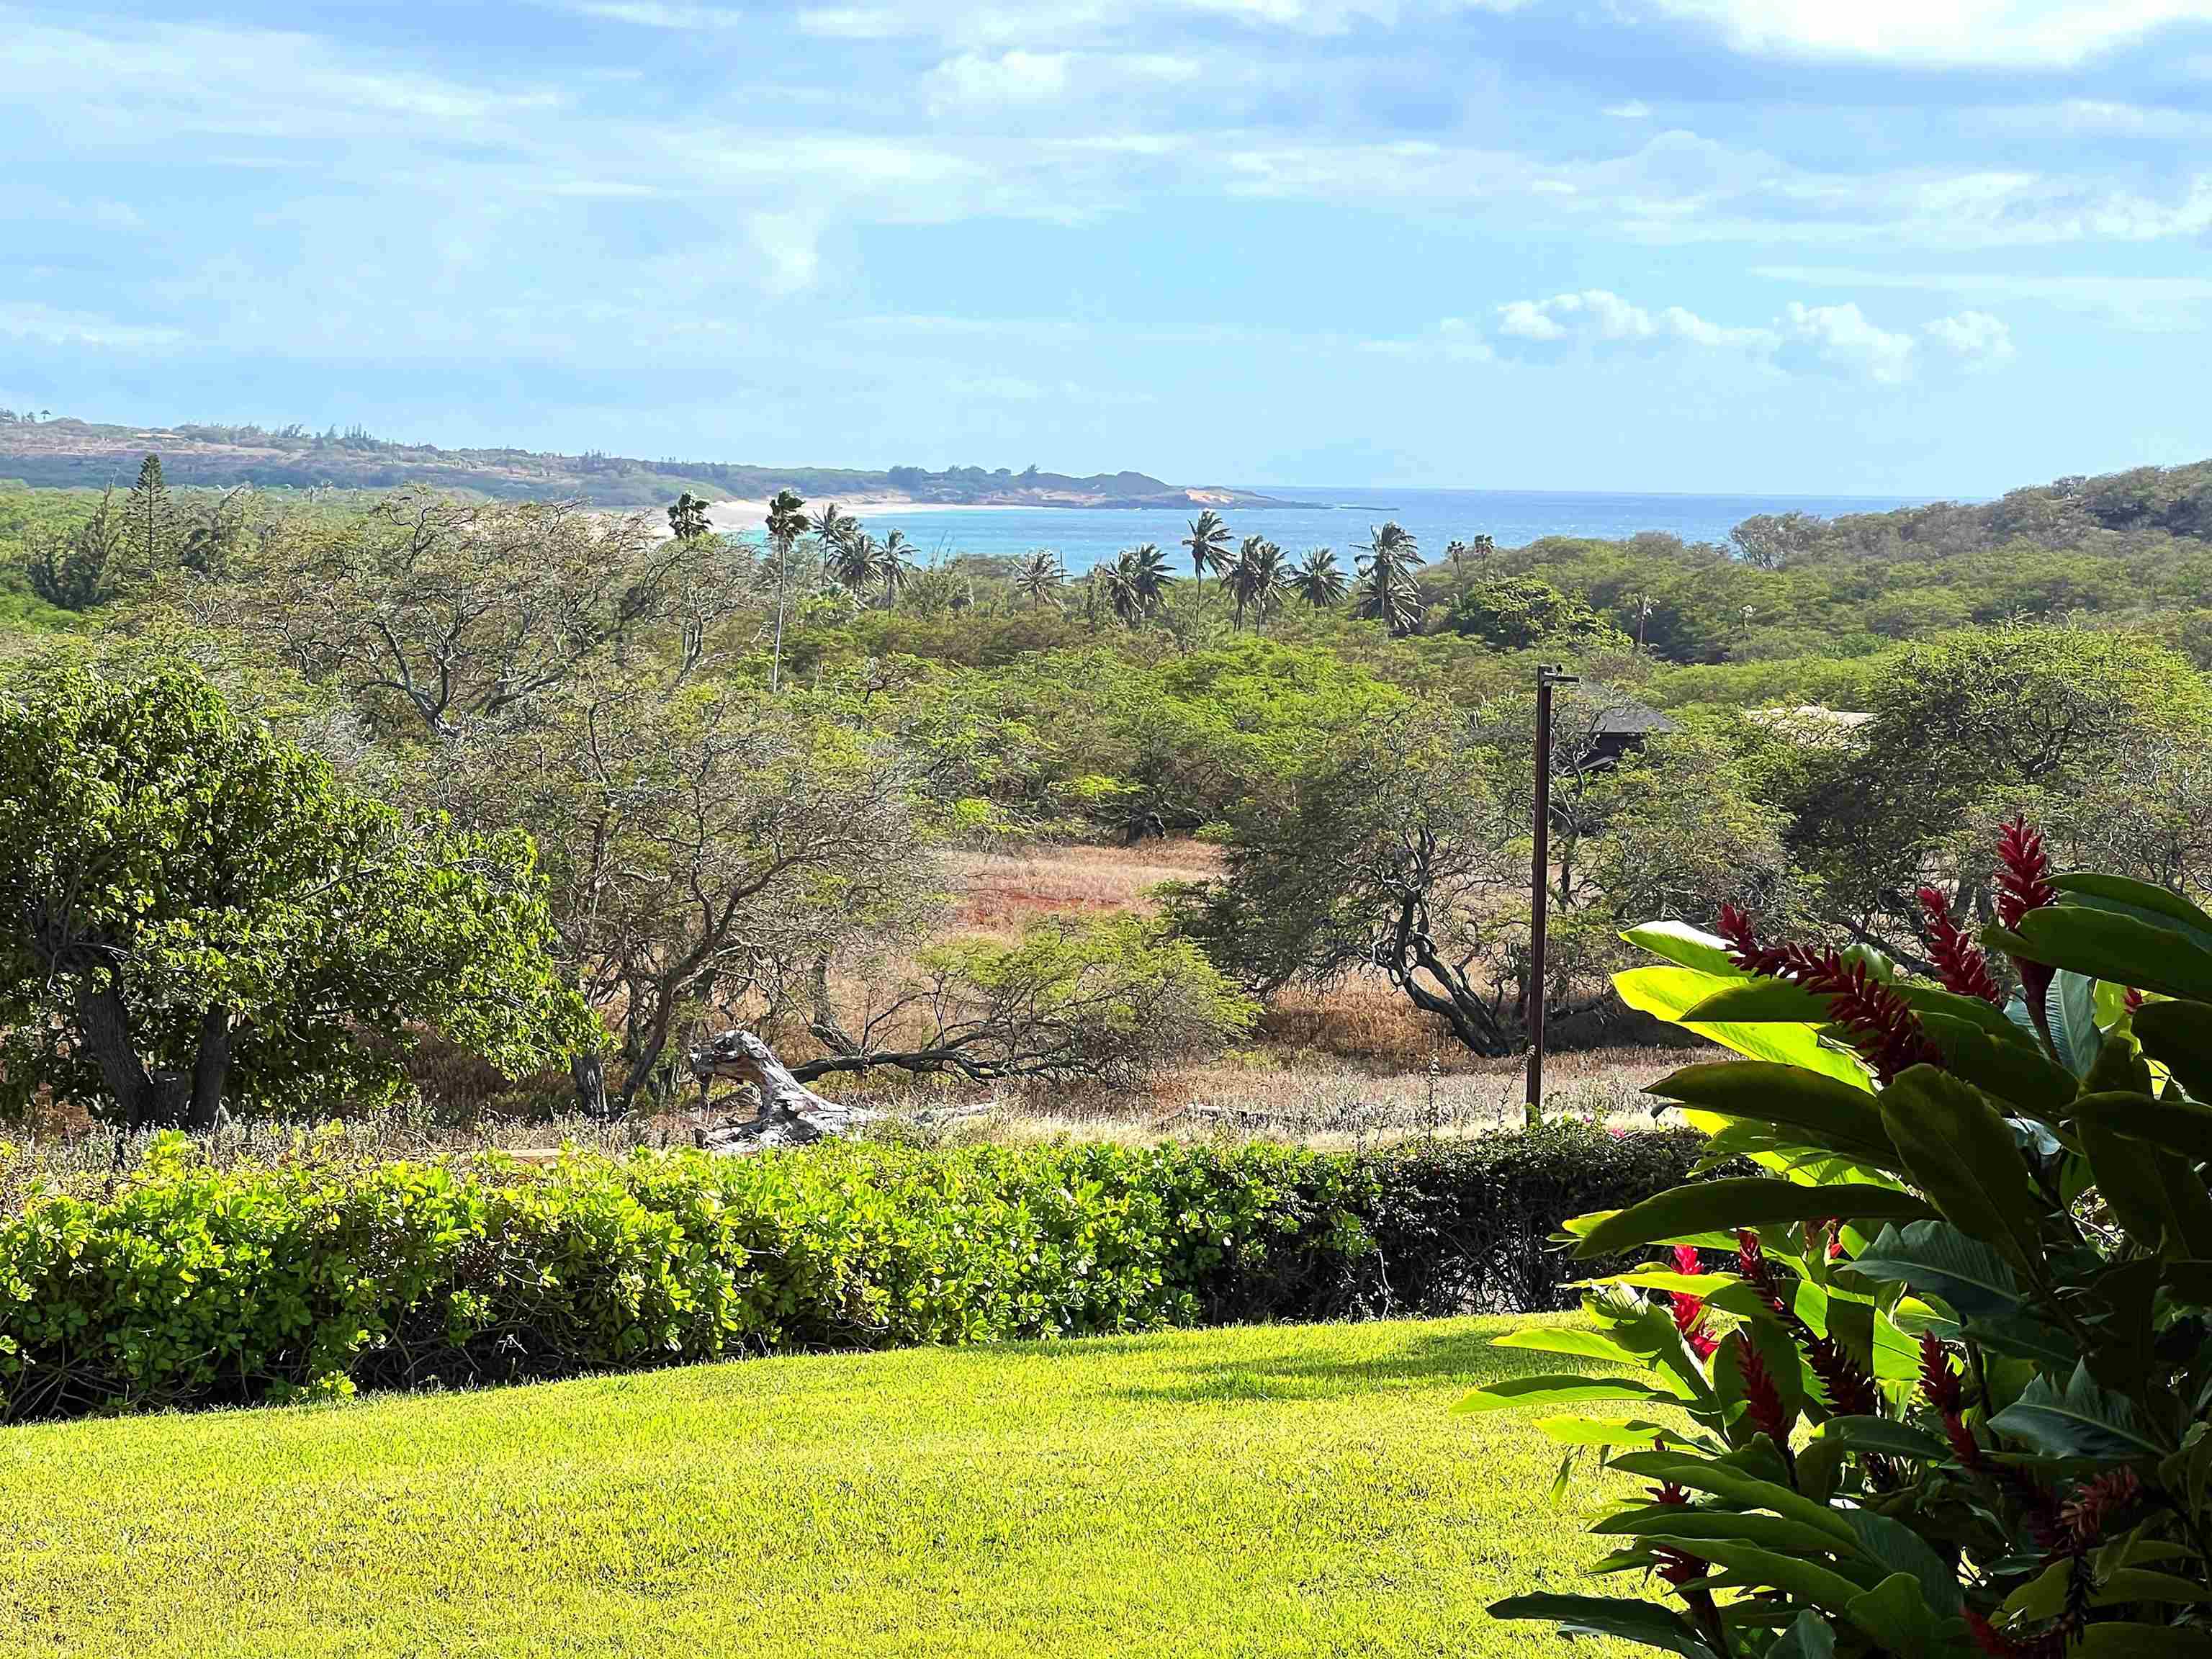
[1935, 247]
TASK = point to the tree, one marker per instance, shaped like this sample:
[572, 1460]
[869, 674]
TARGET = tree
[439, 610]
[1038, 576]
[1208, 543]
[687, 518]
[1388, 591]
[1318, 580]
[195, 911]
[1134, 585]
[214, 530]
[149, 522]
[895, 565]
[1256, 578]
[787, 522]
[703, 845]
[1514, 613]
[1973, 727]
[1399, 845]
[75, 569]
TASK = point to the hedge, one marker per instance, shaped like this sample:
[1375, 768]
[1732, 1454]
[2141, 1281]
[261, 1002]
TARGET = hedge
[190, 1285]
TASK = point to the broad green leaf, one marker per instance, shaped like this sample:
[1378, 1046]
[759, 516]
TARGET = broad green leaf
[1822, 1586]
[1929, 999]
[1888, 1437]
[2179, 1035]
[1566, 1339]
[1900, 1549]
[2179, 1126]
[1809, 1636]
[1604, 1432]
[1722, 1207]
[1935, 1259]
[2126, 1584]
[1691, 947]
[1762, 1002]
[1733, 1486]
[1668, 993]
[1773, 1532]
[1560, 1390]
[2133, 1641]
[1823, 1110]
[2105, 944]
[2084, 1421]
[2070, 1008]
[2139, 899]
[1632, 1620]
[1895, 1615]
[1961, 1154]
[2023, 1077]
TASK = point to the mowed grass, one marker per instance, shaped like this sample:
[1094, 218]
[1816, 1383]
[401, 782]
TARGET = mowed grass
[1261, 1491]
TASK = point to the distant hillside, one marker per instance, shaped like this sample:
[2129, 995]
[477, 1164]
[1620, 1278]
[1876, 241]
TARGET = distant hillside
[63, 452]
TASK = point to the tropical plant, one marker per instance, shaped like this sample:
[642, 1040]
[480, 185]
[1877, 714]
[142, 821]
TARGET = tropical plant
[787, 522]
[1255, 579]
[192, 911]
[75, 569]
[1388, 591]
[1134, 583]
[1938, 1381]
[1208, 543]
[1318, 579]
[149, 518]
[1038, 576]
[895, 564]
[687, 518]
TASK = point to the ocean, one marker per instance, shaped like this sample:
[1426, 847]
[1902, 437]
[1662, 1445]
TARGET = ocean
[1341, 518]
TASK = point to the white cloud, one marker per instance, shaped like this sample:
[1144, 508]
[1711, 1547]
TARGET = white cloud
[1592, 314]
[1840, 340]
[789, 247]
[29, 320]
[1013, 78]
[852, 23]
[1974, 337]
[1634, 110]
[1995, 32]
[2151, 304]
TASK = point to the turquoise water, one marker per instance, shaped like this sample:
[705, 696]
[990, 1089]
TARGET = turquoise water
[1340, 518]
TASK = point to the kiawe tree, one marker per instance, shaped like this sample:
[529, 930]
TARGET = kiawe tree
[195, 911]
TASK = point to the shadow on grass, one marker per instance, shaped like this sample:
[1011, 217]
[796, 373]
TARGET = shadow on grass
[1461, 1357]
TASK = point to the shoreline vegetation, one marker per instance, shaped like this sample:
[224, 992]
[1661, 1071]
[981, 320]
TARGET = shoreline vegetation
[58, 452]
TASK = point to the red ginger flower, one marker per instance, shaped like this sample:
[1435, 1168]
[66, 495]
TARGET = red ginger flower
[1850, 1392]
[2024, 884]
[1762, 1400]
[1960, 963]
[2023, 871]
[1677, 1567]
[1940, 1387]
[1882, 1026]
[1690, 1310]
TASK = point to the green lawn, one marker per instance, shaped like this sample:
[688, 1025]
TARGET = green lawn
[1300, 1490]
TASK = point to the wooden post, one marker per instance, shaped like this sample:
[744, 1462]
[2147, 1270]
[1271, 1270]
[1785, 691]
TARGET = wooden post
[1539, 885]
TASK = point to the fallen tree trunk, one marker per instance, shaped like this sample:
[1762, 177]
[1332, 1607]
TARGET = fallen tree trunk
[791, 1114]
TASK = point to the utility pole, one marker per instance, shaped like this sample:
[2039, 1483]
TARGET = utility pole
[1539, 882]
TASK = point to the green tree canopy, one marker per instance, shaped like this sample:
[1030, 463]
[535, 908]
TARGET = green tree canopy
[194, 910]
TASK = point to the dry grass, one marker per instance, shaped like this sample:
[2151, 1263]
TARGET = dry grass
[999, 893]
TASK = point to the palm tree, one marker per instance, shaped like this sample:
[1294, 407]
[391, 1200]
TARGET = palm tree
[1208, 543]
[1388, 591]
[1134, 583]
[836, 531]
[1038, 576]
[1255, 580]
[787, 522]
[895, 565]
[1318, 579]
[853, 562]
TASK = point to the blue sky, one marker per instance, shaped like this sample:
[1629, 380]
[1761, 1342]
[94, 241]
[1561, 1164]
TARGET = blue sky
[1934, 247]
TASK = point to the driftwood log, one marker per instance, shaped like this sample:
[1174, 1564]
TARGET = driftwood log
[790, 1115]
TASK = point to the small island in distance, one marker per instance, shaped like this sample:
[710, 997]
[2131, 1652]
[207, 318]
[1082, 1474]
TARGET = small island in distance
[57, 451]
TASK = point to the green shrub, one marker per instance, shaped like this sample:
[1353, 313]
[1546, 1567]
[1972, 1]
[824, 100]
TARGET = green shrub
[1940, 1383]
[192, 1285]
